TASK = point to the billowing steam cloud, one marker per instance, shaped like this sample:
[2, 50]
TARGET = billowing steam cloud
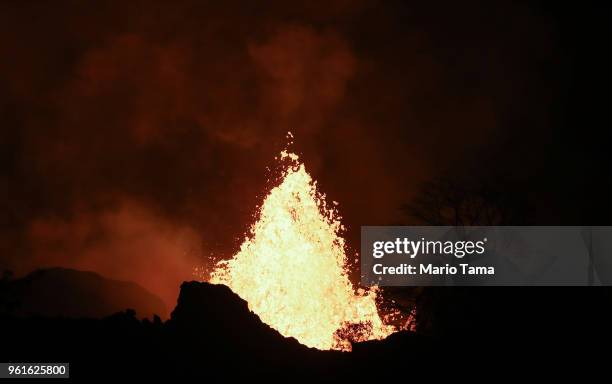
[135, 138]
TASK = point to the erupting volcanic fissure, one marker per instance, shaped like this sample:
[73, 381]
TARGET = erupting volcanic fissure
[292, 269]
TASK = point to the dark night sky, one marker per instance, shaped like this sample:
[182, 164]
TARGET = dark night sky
[135, 136]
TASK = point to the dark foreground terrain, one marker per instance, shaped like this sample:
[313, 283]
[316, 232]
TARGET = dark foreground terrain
[211, 334]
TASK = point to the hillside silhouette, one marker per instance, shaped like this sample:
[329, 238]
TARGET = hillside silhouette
[212, 334]
[62, 292]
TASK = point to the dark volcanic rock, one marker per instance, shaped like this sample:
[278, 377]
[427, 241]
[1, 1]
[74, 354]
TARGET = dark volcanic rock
[213, 311]
[211, 334]
[213, 318]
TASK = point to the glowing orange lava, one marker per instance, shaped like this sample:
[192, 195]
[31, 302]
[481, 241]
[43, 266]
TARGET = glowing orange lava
[292, 269]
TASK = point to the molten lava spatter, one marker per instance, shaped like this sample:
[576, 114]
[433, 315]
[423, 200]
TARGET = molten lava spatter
[292, 270]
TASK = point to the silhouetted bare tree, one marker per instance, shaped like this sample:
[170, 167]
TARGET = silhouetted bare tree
[457, 201]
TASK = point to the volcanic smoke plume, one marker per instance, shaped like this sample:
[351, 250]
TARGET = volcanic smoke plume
[292, 269]
[134, 138]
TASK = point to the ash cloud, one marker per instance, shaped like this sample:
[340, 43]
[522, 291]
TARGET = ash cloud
[135, 137]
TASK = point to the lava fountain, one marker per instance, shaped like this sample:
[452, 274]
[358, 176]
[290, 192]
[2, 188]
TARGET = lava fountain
[292, 269]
